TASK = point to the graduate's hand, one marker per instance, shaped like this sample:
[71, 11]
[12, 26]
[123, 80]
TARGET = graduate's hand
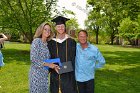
[57, 68]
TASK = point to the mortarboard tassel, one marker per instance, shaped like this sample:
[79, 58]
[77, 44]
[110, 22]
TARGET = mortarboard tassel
[59, 86]
[59, 90]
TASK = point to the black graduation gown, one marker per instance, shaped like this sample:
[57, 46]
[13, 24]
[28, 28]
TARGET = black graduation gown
[67, 82]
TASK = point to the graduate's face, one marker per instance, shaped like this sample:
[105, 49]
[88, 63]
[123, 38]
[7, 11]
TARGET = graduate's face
[46, 31]
[82, 38]
[60, 28]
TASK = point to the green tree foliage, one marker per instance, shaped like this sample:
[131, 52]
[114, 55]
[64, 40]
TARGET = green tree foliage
[138, 35]
[23, 16]
[132, 8]
[105, 14]
[94, 21]
[129, 30]
[111, 13]
[72, 24]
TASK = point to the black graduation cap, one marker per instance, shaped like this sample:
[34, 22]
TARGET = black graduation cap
[60, 20]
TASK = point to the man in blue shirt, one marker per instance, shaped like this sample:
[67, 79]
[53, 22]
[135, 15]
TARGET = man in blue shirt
[88, 59]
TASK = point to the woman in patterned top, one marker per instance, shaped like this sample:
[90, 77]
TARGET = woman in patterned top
[2, 39]
[38, 76]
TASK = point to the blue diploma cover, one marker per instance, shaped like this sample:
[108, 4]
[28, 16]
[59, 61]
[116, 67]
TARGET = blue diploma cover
[55, 60]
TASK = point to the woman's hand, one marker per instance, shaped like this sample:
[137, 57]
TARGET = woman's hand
[52, 66]
[2, 37]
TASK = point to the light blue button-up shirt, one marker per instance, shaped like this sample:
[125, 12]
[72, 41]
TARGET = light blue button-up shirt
[87, 60]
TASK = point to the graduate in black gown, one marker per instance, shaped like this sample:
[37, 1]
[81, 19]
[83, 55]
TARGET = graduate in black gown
[64, 47]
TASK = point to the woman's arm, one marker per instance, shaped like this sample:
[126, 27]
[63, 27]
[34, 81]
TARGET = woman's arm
[3, 38]
[35, 56]
[34, 53]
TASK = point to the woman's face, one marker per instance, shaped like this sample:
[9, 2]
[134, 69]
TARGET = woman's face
[46, 31]
[60, 28]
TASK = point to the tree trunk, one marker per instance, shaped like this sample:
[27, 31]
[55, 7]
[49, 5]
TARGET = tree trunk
[136, 42]
[97, 33]
[117, 40]
[112, 39]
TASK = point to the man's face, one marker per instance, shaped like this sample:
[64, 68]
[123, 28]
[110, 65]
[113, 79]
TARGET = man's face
[60, 28]
[82, 37]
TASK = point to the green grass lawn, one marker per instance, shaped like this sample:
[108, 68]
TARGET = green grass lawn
[121, 73]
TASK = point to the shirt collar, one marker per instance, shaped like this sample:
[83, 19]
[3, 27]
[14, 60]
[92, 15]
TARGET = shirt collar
[81, 47]
[61, 40]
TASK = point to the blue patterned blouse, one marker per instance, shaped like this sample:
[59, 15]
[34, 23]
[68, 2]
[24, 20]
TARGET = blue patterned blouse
[38, 76]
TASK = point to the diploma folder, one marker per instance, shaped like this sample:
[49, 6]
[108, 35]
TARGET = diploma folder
[55, 60]
[66, 67]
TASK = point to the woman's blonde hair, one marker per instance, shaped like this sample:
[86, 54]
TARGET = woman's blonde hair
[39, 31]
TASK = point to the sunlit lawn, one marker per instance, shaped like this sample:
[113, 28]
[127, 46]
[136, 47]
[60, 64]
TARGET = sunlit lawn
[122, 71]
[120, 75]
[14, 75]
